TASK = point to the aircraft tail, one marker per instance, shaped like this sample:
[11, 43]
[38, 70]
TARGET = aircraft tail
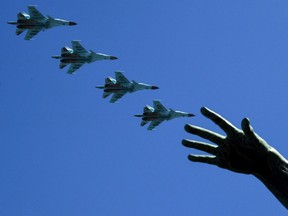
[62, 65]
[100, 87]
[19, 31]
[106, 94]
[148, 109]
[66, 50]
[23, 16]
[110, 80]
[56, 57]
[12, 22]
[138, 115]
[144, 123]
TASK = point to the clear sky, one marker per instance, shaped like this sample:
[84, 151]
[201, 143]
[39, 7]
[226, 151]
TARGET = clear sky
[66, 151]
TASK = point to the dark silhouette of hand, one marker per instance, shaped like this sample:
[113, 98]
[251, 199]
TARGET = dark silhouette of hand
[241, 151]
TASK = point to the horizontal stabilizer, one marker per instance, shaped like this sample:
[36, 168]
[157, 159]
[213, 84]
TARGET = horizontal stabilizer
[154, 124]
[106, 94]
[62, 65]
[144, 123]
[19, 31]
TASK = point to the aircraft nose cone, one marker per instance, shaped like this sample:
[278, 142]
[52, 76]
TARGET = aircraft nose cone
[155, 87]
[113, 58]
[72, 23]
[190, 115]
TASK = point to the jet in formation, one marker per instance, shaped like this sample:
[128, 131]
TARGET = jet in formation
[121, 85]
[78, 56]
[158, 114]
[34, 22]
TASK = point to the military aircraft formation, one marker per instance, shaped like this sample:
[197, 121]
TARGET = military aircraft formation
[77, 56]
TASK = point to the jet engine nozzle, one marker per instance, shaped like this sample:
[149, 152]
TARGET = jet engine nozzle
[56, 57]
[12, 22]
[138, 115]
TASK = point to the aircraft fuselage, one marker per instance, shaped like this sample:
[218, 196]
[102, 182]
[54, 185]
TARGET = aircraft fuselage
[73, 58]
[113, 88]
[28, 24]
[154, 116]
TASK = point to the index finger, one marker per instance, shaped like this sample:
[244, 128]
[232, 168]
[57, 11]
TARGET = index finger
[225, 125]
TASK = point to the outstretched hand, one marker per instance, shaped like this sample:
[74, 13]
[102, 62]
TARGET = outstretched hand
[240, 151]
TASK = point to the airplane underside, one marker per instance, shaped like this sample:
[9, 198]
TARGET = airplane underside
[116, 90]
[28, 24]
[153, 118]
[73, 60]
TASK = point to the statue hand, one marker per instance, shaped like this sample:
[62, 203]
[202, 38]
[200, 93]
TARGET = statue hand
[240, 151]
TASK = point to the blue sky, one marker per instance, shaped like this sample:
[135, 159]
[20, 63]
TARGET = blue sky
[66, 151]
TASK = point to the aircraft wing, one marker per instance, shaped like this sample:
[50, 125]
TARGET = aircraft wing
[73, 67]
[31, 33]
[35, 14]
[117, 96]
[121, 78]
[78, 48]
[159, 107]
[154, 124]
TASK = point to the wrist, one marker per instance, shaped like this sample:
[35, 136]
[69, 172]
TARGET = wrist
[270, 165]
[274, 174]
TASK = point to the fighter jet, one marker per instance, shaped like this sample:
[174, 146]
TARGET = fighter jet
[78, 56]
[121, 85]
[158, 114]
[35, 22]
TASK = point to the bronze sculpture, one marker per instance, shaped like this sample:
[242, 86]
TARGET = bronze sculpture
[241, 151]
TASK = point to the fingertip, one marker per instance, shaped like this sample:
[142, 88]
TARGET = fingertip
[191, 157]
[185, 142]
[207, 112]
[246, 120]
[248, 129]
[187, 128]
[245, 124]
[204, 110]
